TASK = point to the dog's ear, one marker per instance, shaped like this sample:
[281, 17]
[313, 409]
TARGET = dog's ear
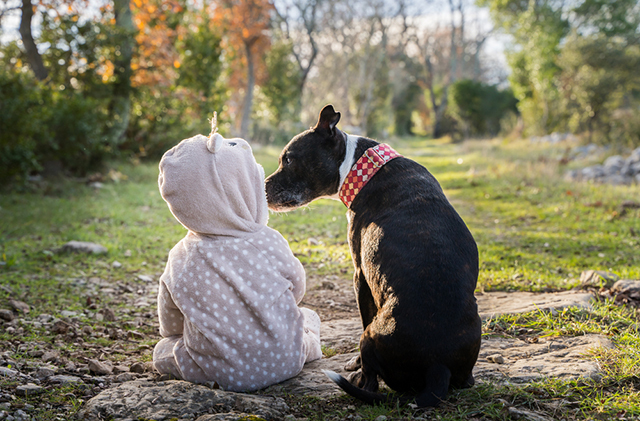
[328, 119]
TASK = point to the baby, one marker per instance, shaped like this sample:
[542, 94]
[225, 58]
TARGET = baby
[228, 298]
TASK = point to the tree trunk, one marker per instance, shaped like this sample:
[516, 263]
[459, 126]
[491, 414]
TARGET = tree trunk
[120, 105]
[33, 56]
[248, 98]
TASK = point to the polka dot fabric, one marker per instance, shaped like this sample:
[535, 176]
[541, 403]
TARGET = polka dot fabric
[228, 298]
[228, 311]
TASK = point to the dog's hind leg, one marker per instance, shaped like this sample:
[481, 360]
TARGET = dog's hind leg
[437, 386]
[367, 377]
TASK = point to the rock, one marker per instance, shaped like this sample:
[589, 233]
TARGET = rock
[68, 313]
[7, 372]
[495, 358]
[230, 416]
[143, 399]
[561, 357]
[59, 327]
[83, 247]
[495, 303]
[145, 278]
[116, 264]
[19, 306]
[125, 377]
[614, 163]
[29, 389]
[312, 381]
[62, 379]
[49, 356]
[6, 315]
[522, 414]
[597, 279]
[627, 287]
[108, 314]
[100, 368]
[44, 372]
[137, 367]
[134, 334]
[120, 369]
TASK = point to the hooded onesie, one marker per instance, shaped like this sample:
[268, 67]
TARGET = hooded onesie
[228, 298]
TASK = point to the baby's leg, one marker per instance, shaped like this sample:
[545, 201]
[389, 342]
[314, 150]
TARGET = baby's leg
[163, 358]
[311, 338]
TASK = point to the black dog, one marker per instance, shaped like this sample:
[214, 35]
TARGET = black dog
[416, 263]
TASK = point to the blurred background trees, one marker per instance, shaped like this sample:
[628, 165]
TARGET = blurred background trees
[84, 81]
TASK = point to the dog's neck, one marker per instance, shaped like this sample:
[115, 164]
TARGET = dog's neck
[349, 158]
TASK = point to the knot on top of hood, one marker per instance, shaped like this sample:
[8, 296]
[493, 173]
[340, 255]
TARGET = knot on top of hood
[214, 185]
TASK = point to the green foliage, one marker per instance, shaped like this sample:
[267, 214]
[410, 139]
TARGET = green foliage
[21, 121]
[598, 75]
[574, 64]
[40, 124]
[282, 88]
[161, 116]
[478, 108]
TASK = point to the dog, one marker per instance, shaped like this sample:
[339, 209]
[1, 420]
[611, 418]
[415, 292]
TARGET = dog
[415, 261]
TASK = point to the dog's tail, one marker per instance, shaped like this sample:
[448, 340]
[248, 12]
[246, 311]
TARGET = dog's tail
[365, 396]
[431, 396]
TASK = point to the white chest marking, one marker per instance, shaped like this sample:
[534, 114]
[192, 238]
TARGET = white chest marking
[345, 167]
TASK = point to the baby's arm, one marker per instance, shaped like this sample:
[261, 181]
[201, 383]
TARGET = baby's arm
[170, 316]
[292, 270]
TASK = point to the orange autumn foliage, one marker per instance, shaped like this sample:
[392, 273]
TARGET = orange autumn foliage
[245, 23]
[154, 63]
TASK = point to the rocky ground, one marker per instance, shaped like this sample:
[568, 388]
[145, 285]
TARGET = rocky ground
[95, 364]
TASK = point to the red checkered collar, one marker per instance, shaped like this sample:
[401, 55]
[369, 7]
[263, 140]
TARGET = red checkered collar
[364, 169]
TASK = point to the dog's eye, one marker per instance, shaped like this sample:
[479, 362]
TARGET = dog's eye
[232, 143]
[286, 160]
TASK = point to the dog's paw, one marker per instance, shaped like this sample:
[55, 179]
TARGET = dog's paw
[355, 378]
[353, 364]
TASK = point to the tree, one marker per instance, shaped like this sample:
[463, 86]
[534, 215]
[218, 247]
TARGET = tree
[245, 24]
[33, 56]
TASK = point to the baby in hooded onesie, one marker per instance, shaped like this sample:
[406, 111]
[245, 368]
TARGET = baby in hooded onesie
[228, 298]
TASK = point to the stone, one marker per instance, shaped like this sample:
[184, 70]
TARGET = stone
[630, 288]
[60, 327]
[137, 367]
[120, 369]
[19, 306]
[29, 389]
[523, 414]
[63, 379]
[143, 399]
[125, 377]
[560, 357]
[100, 368]
[495, 358]
[83, 247]
[145, 278]
[49, 356]
[597, 279]
[44, 372]
[492, 304]
[7, 372]
[231, 416]
[614, 163]
[116, 264]
[108, 314]
[6, 315]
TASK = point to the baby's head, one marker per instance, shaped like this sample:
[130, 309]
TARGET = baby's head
[214, 185]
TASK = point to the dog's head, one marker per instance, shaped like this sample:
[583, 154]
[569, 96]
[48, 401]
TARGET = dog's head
[309, 165]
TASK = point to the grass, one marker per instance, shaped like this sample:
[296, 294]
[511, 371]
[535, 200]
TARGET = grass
[535, 232]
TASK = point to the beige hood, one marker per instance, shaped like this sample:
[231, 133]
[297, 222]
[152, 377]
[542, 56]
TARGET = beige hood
[214, 186]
